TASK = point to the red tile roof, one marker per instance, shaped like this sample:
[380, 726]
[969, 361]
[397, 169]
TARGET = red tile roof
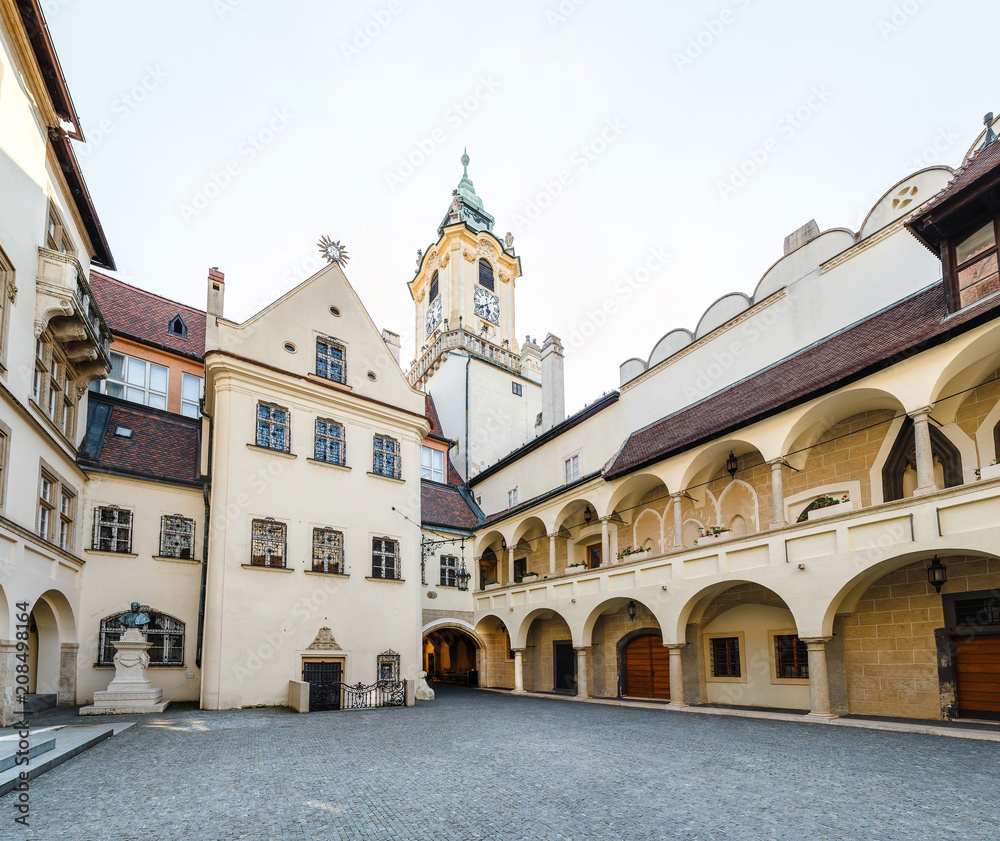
[145, 317]
[161, 446]
[889, 336]
[432, 415]
[441, 505]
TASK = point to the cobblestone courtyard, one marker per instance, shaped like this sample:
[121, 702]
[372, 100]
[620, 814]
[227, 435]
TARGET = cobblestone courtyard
[479, 765]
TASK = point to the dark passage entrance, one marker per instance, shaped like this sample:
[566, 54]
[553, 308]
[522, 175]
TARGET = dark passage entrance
[564, 666]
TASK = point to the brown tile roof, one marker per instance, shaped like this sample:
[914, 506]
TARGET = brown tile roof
[441, 505]
[900, 331]
[432, 415]
[143, 316]
[162, 445]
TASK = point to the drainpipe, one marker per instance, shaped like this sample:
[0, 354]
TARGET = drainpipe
[468, 359]
[204, 552]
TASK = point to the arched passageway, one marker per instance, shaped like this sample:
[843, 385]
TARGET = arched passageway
[452, 655]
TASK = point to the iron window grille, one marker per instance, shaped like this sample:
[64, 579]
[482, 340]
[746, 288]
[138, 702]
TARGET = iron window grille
[329, 444]
[331, 360]
[164, 632]
[725, 656]
[268, 543]
[272, 427]
[176, 537]
[791, 657]
[386, 461]
[113, 530]
[486, 274]
[449, 571]
[385, 558]
[328, 551]
[388, 665]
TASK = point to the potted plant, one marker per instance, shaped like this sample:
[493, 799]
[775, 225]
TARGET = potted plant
[570, 567]
[991, 471]
[828, 506]
[712, 534]
[628, 550]
[529, 576]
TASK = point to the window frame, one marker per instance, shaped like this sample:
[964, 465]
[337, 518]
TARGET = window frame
[448, 570]
[337, 343]
[8, 297]
[492, 275]
[101, 386]
[196, 404]
[516, 388]
[323, 564]
[265, 542]
[128, 528]
[164, 531]
[66, 518]
[5, 436]
[107, 627]
[772, 642]
[318, 436]
[954, 267]
[391, 460]
[512, 498]
[710, 675]
[48, 491]
[571, 465]
[381, 558]
[430, 469]
[272, 424]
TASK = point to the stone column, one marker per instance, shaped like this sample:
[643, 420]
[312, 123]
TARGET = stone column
[552, 554]
[819, 682]
[678, 520]
[510, 565]
[605, 543]
[518, 671]
[676, 674]
[925, 455]
[67, 674]
[777, 493]
[581, 671]
[9, 708]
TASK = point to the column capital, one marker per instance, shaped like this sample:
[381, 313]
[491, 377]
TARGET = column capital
[678, 495]
[778, 462]
[920, 414]
[583, 648]
[606, 519]
[675, 646]
[552, 535]
[519, 650]
[817, 641]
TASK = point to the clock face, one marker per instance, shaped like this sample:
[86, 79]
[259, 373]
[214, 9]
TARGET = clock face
[433, 318]
[486, 305]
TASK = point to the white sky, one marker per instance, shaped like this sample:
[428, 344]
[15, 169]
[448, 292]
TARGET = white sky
[885, 87]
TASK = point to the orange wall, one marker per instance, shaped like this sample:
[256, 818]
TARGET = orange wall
[176, 365]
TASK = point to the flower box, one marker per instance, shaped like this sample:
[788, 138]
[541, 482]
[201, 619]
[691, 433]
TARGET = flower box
[991, 471]
[831, 510]
[710, 539]
[576, 567]
[529, 577]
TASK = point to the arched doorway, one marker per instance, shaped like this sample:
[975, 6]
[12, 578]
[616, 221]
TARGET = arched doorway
[451, 655]
[643, 666]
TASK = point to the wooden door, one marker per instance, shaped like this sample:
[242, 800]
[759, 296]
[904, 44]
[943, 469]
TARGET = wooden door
[647, 668]
[594, 555]
[977, 665]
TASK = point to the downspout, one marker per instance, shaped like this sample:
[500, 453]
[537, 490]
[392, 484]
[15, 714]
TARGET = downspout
[468, 359]
[204, 552]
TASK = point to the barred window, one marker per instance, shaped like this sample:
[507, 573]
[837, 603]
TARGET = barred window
[331, 360]
[176, 537]
[388, 665]
[386, 460]
[330, 442]
[267, 543]
[791, 657]
[449, 571]
[486, 274]
[725, 656]
[385, 558]
[164, 632]
[328, 551]
[112, 529]
[272, 427]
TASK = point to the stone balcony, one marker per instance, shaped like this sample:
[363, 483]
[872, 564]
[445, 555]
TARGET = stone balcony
[819, 568]
[430, 360]
[65, 305]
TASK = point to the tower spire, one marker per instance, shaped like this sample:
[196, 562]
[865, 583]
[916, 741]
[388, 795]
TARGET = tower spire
[465, 162]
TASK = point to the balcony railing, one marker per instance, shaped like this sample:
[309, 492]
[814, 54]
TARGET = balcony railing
[460, 339]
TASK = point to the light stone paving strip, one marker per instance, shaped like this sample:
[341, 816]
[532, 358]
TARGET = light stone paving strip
[481, 765]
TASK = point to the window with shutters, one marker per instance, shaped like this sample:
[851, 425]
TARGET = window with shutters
[486, 275]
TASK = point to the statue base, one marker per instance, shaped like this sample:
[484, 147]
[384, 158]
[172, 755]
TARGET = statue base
[130, 692]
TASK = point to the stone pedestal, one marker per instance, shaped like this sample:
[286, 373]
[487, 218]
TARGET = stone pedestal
[130, 692]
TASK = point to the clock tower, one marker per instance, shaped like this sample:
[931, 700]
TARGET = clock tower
[486, 386]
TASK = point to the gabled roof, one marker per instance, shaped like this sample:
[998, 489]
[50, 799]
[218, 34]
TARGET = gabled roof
[902, 330]
[446, 505]
[136, 314]
[162, 446]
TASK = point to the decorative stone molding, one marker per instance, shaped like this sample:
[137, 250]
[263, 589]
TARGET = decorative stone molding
[469, 255]
[324, 641]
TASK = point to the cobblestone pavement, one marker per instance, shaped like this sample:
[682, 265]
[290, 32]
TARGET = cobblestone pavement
[480, 765]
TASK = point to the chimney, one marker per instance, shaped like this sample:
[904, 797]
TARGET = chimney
[392, 341]
[553, 388]
[213, 309]
[796, 239]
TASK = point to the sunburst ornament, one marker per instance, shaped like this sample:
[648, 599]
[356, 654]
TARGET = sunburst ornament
[333, 250]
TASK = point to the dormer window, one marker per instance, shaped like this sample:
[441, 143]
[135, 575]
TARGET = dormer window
[177, 327]
[974, 266]
[486, 274]
[432, 295]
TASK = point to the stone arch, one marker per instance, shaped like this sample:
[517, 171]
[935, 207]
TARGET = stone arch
[6, 631]
[493, 539]
[444, 630]
[899, 471]
[648, 528]
[530, 529]
[711, 459]
[696, 609]
[967, 368]
[519, 639]
[739, 500]
[609, 605]
[52, 636]
[630, 491]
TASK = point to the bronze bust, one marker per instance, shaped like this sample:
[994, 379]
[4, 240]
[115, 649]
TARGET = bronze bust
[134, 619]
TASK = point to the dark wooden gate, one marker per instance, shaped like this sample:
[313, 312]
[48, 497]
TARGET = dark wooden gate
[564, 666]
[647, 668]
[977, 667]
[324, 681]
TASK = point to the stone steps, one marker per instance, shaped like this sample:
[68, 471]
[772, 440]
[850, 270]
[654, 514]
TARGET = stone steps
[37, 744]
[55, 746]
[37, 703]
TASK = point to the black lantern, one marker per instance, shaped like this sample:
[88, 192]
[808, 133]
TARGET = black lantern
[588, 515]
[732, 465]
[630, 610]
[463, 577]
[937, 574]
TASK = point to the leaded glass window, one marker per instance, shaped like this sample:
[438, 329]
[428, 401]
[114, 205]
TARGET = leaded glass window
[328, 551]
[331, 360]
[176, 537]
[268, 543]
[449, 571]
[386, 457]
[272, 427]
[329, 441]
